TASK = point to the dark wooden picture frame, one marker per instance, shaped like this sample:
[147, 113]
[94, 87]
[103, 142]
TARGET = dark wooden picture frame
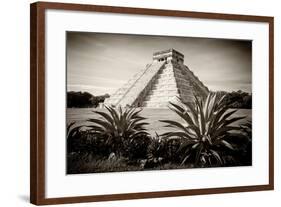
[37, 102]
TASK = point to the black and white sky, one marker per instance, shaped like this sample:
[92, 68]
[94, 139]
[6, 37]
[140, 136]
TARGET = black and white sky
[101, 63]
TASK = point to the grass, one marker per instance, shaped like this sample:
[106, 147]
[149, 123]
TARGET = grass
[80, 115]
[96, 165]
[120, 165]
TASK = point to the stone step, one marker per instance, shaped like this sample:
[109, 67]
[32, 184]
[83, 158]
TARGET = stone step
[156, 105]
[161, 93]
[164, 86]
[166, 75]
[159, 99]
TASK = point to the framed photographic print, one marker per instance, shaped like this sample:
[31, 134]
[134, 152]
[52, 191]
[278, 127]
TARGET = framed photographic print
[130, 103]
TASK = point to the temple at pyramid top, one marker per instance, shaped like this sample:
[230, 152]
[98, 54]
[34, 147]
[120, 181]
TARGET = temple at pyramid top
[160, 82]
[168, 55]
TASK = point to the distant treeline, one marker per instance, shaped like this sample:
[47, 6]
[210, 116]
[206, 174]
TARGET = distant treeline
[84, 99]
[238, 99]
[235, 99]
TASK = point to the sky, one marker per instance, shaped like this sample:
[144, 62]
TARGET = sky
[101, 63]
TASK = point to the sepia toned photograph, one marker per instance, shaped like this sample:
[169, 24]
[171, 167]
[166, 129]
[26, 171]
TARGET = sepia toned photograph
[144, 102]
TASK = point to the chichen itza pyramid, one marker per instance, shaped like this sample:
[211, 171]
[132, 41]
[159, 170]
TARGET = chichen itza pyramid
[160, 82]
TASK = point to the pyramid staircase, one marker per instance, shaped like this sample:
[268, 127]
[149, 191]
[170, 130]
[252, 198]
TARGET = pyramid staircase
[164, 89]
[129, 93]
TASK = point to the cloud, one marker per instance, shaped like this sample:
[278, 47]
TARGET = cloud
[104, 62]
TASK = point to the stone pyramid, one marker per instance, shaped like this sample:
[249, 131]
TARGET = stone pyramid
[162, 81]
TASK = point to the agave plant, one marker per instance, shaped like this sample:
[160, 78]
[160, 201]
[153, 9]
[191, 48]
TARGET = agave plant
[118, 126]
[206, 125]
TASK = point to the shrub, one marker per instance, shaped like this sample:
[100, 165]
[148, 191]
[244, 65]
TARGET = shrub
[85, 144]
[156, 150]
[136, 148]
[161, 151]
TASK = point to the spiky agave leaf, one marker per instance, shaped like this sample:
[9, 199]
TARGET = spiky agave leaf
[72, 131]
[75, 138]
[69, 127]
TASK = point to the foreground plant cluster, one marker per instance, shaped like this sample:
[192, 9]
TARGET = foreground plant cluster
[119, 141]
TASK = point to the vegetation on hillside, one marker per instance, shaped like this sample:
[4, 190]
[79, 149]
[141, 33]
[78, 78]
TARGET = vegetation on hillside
[84, 100]
[237, 99]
